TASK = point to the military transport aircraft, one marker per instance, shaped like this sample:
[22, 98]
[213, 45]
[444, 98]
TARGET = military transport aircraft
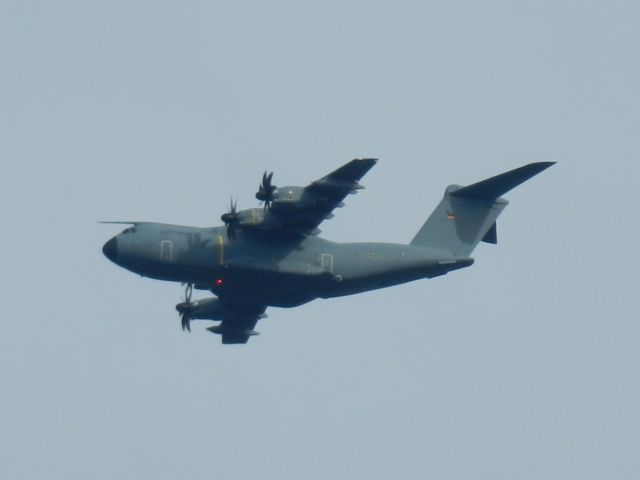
[272, 255]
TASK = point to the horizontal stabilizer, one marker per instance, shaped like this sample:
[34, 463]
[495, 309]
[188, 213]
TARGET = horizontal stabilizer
[492, 235]
[497, 186]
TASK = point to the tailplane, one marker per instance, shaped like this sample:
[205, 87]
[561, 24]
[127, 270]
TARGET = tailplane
[467, 215]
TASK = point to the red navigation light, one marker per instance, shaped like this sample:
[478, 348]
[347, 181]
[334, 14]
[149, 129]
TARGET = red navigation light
[219, 282]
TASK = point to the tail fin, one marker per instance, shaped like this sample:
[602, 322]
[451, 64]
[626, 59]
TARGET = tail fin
[467, 215]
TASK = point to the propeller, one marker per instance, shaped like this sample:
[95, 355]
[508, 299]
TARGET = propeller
[184, 308]
[266, 190]
[231, 219]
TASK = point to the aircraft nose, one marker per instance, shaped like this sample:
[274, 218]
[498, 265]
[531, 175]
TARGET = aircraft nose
[110, 249]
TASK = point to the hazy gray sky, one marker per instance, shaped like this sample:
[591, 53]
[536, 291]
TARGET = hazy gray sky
[524, 366]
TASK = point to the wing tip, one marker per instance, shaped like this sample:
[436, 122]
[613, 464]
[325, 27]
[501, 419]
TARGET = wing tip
[541, 165]
[367, 161]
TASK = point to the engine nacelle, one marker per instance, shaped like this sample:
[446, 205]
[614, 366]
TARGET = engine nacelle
[206, 309]
[287, 196]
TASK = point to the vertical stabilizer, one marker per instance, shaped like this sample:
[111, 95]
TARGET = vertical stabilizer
[467, 215]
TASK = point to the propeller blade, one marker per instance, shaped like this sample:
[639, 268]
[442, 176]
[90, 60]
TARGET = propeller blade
[186, 322]
[184, 308]
[266, 189]
[231, 219]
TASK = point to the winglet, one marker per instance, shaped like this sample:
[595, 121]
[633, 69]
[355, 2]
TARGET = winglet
[497, 186]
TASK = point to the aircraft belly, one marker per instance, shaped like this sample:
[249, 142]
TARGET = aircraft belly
[265, 289]
[363, 278]
[285, 284]
[376, 280]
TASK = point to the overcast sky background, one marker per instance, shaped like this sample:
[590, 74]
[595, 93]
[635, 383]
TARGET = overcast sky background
[523, 366]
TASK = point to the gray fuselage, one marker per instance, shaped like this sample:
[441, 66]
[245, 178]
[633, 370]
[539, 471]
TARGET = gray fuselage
[272, 270]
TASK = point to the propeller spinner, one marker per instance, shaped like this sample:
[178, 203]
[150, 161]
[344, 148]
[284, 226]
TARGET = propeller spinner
[231, 219]
[266, 190]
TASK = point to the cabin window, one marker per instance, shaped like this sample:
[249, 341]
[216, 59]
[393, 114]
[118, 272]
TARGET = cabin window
[326, 262]
[166, 251]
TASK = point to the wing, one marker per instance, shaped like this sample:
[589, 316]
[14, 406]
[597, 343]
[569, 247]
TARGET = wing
[302, 209]
[238, 328]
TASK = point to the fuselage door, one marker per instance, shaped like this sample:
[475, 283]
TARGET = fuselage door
[166, 251]
[326, 262]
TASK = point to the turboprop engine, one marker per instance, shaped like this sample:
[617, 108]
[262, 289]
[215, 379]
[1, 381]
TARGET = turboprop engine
[205, 309]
